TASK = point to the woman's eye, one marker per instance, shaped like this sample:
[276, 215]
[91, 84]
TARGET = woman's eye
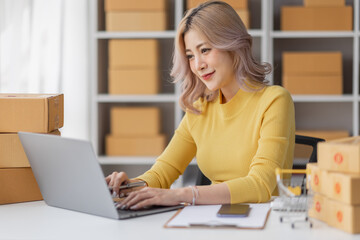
[189, 56]
[204, 50]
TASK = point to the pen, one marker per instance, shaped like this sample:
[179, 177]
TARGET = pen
[131, 185]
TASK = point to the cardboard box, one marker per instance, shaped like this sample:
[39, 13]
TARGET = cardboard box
[12, 153]
[343, 216]
[236, 4]
[40, 113]
[135, 121]
[138, 5]
[328, 85]
[245, 17]
[312, 63]
[134, 81]
[18, 185]
[342, 187]
[294, 18]
[318, 208]
[313, 72]
[324, 3]
[136, 21]
[304, 151]
[341, 155]
[135, 146]
[133, 53]
[316, 178]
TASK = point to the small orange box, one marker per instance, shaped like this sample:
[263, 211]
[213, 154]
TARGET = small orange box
[12, 153]
[135, 121]
[294, 18]
[18, 185]
[133, 54]
[304, 151]
[138, 5]
[343, 216]
[136, 21]
[41, 113]
[318, 208]
[245, 17]
[134, 81]
[236, 4]
[328, 85]
[135, 146]
[312, 63]
[341, 155]
[316, 178]
[324, 3]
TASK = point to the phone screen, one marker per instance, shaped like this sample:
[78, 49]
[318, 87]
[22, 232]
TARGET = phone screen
[233, 210]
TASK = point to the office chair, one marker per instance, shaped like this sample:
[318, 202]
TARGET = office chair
[299, 139]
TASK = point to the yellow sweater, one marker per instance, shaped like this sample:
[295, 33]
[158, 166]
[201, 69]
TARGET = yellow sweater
[240, 143]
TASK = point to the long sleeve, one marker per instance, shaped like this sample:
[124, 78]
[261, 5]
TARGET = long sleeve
[174, 160]
[275, 149]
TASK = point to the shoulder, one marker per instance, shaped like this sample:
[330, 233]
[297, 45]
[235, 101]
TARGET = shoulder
[270, 93]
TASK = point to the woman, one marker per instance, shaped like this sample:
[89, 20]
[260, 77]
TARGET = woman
[238, 128]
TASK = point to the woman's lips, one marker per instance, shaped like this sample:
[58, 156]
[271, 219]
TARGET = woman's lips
[208, 76]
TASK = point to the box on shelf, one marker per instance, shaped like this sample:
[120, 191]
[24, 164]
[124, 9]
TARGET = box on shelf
[18, 185]
[135, 121]
[133, 53]
[12, 154]
[134, 81]
[304, 151]
[245, 17]
[324, 3]
[295, 18]
[138, 5]
[342, 155]
[313, 72]
[312, 63]
[135, 146]
[236, 4]
[136, 21]
[40, 113]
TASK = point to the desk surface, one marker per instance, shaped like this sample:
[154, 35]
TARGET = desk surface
[36, 220]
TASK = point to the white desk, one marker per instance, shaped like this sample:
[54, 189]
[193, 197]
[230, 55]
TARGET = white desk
[36, 220]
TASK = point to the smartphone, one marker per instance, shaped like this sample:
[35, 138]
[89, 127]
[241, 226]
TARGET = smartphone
[233, 210]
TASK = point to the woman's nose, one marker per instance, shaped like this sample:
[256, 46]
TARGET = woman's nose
[200, 64]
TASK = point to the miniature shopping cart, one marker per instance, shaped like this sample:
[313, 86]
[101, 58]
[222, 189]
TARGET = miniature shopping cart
[294, 198]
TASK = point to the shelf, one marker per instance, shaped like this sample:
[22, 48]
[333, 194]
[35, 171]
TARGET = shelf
[312, 34]
[130, 160]
[256, 32]
[105, 98]
[127, 35]
[323, 98]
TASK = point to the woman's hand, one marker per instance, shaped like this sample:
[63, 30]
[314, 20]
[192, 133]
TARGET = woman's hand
[147, 196]
[116, 179]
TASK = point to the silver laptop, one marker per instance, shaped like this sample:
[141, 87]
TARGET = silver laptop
[70, 177]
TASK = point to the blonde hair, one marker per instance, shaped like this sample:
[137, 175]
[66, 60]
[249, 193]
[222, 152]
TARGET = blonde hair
[219, 23]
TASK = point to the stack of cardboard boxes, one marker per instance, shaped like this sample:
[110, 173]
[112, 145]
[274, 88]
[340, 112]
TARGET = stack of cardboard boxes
[133, 66]
[28, 113]
[335, 181]
[135, 131]
[313, 72]
[325, 15]
[240, 6]
[139, 15]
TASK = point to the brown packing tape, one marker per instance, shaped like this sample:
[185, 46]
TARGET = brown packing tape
[138, 5]
[56, 113]
[324, 3]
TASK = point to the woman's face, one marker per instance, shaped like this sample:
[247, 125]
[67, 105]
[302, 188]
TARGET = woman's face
[212, 66]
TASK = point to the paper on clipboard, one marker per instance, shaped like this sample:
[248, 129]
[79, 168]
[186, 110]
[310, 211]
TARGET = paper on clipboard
[205, 216]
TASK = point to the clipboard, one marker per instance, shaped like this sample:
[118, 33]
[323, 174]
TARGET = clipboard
[204, 216]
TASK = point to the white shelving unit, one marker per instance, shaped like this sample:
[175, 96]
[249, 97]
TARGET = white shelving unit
[269, 42]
